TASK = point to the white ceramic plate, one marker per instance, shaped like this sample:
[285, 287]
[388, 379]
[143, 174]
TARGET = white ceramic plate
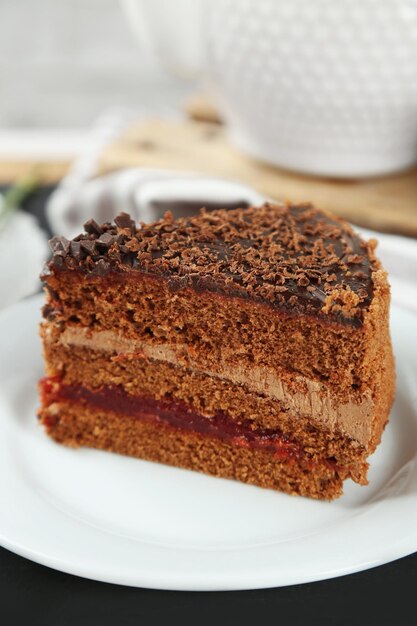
[131, 522]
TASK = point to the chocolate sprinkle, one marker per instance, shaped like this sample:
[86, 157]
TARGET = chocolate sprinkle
[124, 221]
[294, 258]
[92, 228]
[75, 248]
[101, 268]
[105, 240]
[89, 246]
[59, 245]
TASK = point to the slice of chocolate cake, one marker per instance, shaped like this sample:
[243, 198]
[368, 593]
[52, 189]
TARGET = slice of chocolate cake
[250, 344]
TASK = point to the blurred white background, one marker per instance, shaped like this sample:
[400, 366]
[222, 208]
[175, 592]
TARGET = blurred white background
[62, 62]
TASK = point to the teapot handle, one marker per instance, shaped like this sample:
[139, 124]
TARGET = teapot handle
[172, 32]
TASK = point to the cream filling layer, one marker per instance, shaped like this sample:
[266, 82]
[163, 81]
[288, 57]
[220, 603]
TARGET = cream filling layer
[352, 418]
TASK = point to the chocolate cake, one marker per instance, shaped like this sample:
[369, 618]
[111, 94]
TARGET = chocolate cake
[250, 343]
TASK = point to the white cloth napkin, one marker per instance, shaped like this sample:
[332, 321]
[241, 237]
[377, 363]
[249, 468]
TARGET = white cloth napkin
[23, 251]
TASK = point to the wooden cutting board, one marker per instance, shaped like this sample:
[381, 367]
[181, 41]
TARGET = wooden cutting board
[388, 204]
[50, 171]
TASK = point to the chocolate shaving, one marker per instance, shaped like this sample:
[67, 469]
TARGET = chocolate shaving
[92, 228]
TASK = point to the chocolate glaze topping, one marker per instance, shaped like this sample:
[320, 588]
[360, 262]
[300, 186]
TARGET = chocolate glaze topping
[294, 258]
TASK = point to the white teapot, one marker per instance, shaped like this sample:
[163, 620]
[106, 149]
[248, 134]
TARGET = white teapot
[324, 87]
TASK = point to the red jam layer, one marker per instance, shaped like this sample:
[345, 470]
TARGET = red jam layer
[175, 414]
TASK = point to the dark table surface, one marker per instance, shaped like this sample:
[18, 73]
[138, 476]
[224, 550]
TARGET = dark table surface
[34, 594]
